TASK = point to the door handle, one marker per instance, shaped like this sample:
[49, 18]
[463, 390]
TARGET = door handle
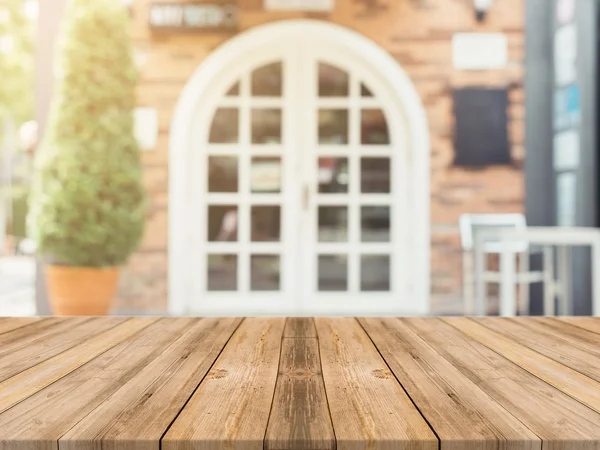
[305, 197]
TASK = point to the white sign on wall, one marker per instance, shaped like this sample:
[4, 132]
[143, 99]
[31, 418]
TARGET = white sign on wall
[192, 16]
[146, 127]
[299, 5]
[565, 55]
[566, 150]
[565, 199]
[565, 11]
[479, 51]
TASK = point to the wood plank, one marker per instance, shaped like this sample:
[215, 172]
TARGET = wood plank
[300, 327]
[464, 376]
[574, 335]
[558, 419]
[300, 416]
[17, 358]
[39, 421]
[567, 380]
[155, 396]
[230, 409]
[463, 416]
[369, 408]
[587, 323]
[12, 323]
[22, 336]
[32, 380]
[38, 332]
[553, 342]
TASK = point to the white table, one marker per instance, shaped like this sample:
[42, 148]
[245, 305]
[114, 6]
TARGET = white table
[560, 237]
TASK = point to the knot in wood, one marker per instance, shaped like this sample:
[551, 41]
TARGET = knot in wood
[382, 373]
[300, 373]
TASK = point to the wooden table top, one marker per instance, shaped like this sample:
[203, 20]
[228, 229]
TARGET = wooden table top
[299, 384]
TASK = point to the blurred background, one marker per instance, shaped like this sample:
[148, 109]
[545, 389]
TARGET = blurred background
[314, 156]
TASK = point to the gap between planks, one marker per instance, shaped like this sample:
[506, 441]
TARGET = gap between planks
[199, 383]
[30, 381]
[362, 323]
[571, 382]
[553, 415]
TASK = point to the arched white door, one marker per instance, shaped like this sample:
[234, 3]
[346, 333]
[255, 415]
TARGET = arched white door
[299, 187]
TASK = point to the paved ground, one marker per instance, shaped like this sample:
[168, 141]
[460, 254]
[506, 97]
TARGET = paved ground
[17, 279]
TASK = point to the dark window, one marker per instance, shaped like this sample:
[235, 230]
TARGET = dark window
[481, 131]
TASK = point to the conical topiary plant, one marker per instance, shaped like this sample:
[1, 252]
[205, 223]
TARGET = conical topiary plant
[87, 205]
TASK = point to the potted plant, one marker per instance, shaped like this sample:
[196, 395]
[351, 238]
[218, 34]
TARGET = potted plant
[87, 205]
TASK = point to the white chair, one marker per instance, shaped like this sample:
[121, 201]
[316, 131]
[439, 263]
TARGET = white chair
[470, 224]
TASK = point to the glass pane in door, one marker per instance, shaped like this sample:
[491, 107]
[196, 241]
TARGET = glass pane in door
[265, 223]
[333, 126]
[267, 81]
[373, 128]
[333, 223]
[332, 273]
[234, 90]
[266, 126]
[222, 223]
[365, 91]
[375, 273]
[264, 272]
[333, 175]
[333, 81]
[222, 272]
[375, 223]
[222, 174]
[265, 174]
[225, 126]
[375, 175]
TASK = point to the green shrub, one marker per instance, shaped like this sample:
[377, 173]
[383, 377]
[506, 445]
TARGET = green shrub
[19, 213]
[17, 63]
[87, 205]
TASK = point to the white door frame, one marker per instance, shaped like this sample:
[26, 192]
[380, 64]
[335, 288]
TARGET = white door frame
[183, 238]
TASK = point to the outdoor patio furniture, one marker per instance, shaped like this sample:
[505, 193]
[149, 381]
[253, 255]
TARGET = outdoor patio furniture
[275, 383]
[562, 238]
[476, 273]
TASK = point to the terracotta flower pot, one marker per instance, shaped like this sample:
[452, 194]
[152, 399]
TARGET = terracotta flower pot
[81, 291]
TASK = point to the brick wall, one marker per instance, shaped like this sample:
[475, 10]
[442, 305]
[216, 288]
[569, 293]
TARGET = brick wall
[417, 33]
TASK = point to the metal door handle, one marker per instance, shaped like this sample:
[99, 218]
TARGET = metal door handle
[306, 197]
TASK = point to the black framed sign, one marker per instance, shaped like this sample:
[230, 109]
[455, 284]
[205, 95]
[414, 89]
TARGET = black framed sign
[481, 127]
[193, 16]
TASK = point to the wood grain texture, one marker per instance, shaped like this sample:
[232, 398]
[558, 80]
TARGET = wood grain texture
[587, 323]
[572, 334]
[558, 419]
[300, 416]
[580, 352]
[463, 416]
[300, 384]
[17, 358]
[300, 327]
[567, 380]
[38, 422]
[140, 411]
[24, 336]
[12, 323]
[34, 379]
[230, 409]
[369, 409]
